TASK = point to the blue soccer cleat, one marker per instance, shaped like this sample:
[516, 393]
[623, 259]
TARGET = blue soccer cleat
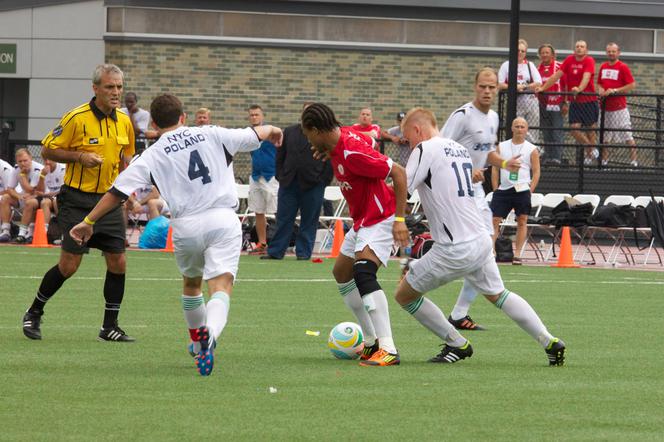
[205, 357]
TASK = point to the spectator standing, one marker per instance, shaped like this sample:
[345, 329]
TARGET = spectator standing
[302, 180]
[140, 119]
[202, 117]
[365, 124]
[528, 80]
[552, 107]
[512, 190]
[579, 71]
[27, 181]
[615, 78]
[91, 168]
[263, 186]
[396, 137]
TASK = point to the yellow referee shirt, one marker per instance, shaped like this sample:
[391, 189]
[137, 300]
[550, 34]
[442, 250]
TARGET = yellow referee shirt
[87, 129]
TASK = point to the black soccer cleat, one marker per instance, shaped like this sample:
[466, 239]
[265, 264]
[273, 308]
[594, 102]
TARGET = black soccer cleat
[31, 325]
[114, 334]
[465, 323]
[555, 351]
[450, 355]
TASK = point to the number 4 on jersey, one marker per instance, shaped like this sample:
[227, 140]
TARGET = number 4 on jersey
[197, 168]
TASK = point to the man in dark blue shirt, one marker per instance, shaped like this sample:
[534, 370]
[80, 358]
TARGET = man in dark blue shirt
[263, 185]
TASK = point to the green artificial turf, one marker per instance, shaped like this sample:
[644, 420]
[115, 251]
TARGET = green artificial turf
[69, 386]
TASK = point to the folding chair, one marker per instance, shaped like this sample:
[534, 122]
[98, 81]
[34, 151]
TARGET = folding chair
[333, 193]
[548, 202]
[615, 235]
[645, 232]
[536, 200]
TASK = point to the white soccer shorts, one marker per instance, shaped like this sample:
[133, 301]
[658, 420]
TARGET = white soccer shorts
[472, 260]
[378, 237]
[263, 195]
[207, 244]
[619, 119]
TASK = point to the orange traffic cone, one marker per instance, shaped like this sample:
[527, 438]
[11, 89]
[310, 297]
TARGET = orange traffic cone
[169, 241]
[565, 256]
[39, 238]
[338, 239]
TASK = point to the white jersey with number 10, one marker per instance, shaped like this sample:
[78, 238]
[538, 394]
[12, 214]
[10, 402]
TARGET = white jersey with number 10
[191, 167]
[441, 171]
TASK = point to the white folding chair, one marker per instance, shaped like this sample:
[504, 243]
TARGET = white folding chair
[615, 234]
[243, 197]
[333, 193]
[645, 232]
[588, 198]
[536, 200]
[548, 202]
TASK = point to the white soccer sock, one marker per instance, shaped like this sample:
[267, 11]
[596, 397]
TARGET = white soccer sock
[354, 302]
[6, 227]
[31, 229]
[523, 314]
[380, 317]
[429, 315]
[466, 297]
[217, 313]
[194, 311]
[23, 230]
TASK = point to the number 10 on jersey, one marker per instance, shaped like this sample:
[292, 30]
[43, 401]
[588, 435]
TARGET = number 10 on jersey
[468, 174]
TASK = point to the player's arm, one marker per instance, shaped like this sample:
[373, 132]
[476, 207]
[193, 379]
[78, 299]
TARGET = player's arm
[535, 169]
[513, 164]
[400, 184]
[270, 133]
[495, 177]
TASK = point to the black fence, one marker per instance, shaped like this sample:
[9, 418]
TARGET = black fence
[597, 157]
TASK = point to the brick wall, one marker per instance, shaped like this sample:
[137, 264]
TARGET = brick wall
[228, 79]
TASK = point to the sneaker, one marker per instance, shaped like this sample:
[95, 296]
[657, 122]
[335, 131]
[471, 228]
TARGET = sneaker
[21, 239]
[205, 357]
[605, 163]
[260, 249]
[556, 352]
[368, 352]
[5, 237]
[114, 334]
[381, 358]
[465, 323]
[634, 163]
[450, 355]
[587, 161]
[31, 326]
[516, 261]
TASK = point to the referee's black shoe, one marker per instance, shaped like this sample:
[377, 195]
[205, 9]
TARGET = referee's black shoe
[114, 334]
[31, 325]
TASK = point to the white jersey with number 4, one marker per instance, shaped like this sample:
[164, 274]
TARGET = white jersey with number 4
[191, 167]
[441, 171]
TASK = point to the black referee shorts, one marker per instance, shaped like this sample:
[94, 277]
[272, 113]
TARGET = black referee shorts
[109, 231]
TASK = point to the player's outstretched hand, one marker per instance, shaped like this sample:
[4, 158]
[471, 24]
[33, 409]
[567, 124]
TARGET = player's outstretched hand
[400, 233]
[514, 163]
[81, 233]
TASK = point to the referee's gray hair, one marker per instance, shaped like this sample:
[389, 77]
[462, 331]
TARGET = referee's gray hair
[105, 69]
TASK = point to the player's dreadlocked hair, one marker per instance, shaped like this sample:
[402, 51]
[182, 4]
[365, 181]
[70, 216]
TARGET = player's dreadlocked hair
[320, 117]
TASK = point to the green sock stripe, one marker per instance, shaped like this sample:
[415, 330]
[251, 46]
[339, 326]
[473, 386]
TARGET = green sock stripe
[348, 287]
[192, 302]
[503, 297]
[414, 306]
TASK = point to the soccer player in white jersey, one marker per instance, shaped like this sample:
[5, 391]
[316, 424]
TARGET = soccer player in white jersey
[191, 167]
[441, 171]
[475, 126]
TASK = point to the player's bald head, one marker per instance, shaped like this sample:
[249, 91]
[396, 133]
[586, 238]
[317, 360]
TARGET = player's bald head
[519, 121]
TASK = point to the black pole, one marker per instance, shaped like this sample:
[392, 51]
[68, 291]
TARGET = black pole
[514, 66]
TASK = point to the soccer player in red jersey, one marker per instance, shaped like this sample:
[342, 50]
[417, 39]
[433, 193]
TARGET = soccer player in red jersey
[377, 210]
[614, 77]
[579, 70]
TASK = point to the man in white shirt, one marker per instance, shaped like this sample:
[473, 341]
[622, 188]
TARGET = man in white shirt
[55, 175]
[191, 168]
[441, 171]
[475, 126]
[140, 119]
[26, 182]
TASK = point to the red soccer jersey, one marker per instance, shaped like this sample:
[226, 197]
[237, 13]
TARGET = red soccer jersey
[574, 71]
[361, 172]
[357, 127]
[547, 71]
[613, 77]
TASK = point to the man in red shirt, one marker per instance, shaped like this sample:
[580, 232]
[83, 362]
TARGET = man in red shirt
[378, 221]
[552, 107]
[365, 124]
[615, 78]
[579, 70]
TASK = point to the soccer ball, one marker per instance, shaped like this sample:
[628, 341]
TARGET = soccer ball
[346, 341]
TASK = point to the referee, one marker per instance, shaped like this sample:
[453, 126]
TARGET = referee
[94, 140]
